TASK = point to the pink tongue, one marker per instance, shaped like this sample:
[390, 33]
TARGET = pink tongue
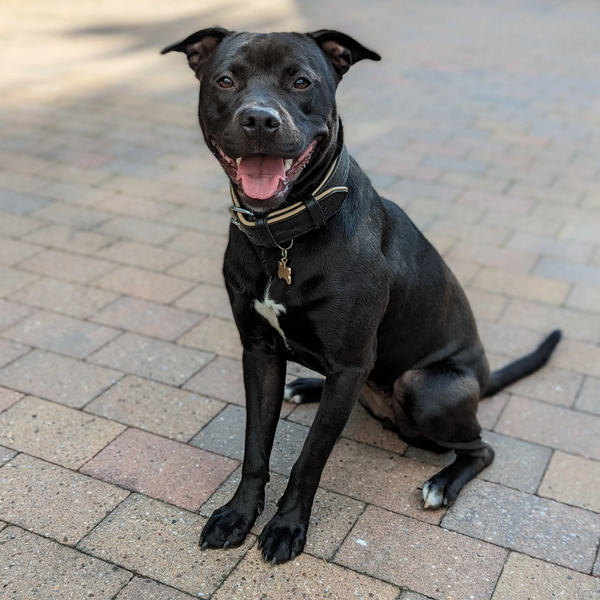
[260, 175]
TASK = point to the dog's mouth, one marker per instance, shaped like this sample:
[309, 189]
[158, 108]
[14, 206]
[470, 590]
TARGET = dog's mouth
[262, 177]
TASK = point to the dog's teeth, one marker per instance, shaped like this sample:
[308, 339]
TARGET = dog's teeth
[238, 161]
[288, 164]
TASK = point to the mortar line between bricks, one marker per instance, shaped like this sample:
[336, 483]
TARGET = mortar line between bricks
[537, 489]
[227, 405]
[500, 574]
[14, 360]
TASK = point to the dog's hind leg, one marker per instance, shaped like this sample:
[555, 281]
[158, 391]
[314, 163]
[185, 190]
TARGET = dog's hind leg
[304, 390]
[443, 406]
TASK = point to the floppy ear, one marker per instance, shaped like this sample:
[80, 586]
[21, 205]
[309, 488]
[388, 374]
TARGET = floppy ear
[341, 49]
[199, 46]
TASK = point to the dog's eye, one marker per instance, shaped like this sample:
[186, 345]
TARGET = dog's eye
[225, 82]
[301, 84]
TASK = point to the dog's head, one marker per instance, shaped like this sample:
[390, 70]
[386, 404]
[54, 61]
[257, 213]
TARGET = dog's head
[267, 104]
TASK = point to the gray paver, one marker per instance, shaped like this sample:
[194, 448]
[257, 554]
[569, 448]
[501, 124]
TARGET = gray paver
[32, 566]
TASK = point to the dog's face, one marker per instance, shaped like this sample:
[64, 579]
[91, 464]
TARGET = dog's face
[267, 104]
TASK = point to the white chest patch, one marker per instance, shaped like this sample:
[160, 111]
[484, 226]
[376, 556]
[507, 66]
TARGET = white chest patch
[270, 311]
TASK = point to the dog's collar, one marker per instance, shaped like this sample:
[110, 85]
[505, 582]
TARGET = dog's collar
[285, 224]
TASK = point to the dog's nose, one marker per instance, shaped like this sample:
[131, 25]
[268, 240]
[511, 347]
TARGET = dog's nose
[259, 120]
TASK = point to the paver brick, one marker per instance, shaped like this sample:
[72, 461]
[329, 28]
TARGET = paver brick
[573, 480]
[21, 204]
[156, 287]
[71, 299]
[75, 216]
[207, 299]
[565, 250]
[55, 433]
[60, 334]
[331, 518]
[424, 558]
[63, 265]
[150, 358]
[486, 306]
[573, 324]
[11, 313]
[225, 435]
[527, 287]
[155, 407]
[544, 529]
[202, 269]
[160, 541]
[501, 258]
[12, 280]
[556, 386]
[146, 589]
[222, 379]
[10, 351]
[32, 566]
[517, 464]
[550, 425]
[14, 251]
[579, 356]
[137, 230]
[526, 577]
[584, 298]
[379, 477]
[52, 501]
[8, 398]
[68, 238]
[589, 397]
[16, 225]
[58, 378]
[141, 255]
[489, 409]
[587, 275]
[219, 336]
[305, 577]
[147, 318]
[161, 468]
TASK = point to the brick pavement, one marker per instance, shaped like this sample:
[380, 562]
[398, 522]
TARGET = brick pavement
[121, 398]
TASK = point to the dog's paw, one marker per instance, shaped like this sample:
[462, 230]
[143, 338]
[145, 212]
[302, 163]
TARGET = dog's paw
[303, 390]
[226, 528]
[438, 492]
[282, 539]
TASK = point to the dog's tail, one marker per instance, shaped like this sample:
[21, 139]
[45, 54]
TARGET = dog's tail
[523, 366]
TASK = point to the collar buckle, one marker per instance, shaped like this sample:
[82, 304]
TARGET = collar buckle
[233, 210]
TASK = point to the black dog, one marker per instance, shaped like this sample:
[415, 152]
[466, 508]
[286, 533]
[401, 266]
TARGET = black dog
[361, 297]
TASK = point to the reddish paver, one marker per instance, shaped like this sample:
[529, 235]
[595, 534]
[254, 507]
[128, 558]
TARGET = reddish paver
[200, 268]
[61, 334]
[379, 477]
[55, 433]
[573, 480]
[305, 577]
[137, 230]
[216, 335]
[578, 356]
[223, 379]
[155, 407]
[148, 318]
[147, 285]
[428, 559]
[8, 398]
[551, 426]
[58, 378]
[141, 255]
[154, 359]
[489, 409]
[69, 239]
[52, 501]
[526, 577]
[161, 468]
[32, 566]
[561, 534]
[64, 297]
[160, 541]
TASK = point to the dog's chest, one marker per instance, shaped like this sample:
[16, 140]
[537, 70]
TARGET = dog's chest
[270, 310]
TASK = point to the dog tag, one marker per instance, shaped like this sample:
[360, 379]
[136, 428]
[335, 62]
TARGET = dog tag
[283, 271]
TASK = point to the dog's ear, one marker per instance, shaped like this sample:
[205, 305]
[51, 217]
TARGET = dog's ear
[199, 46]
[341, 49]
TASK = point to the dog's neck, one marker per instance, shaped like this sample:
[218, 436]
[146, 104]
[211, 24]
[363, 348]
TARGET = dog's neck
[309, 209]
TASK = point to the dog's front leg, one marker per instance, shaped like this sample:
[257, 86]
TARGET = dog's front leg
[285, 535]
[264, 378]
